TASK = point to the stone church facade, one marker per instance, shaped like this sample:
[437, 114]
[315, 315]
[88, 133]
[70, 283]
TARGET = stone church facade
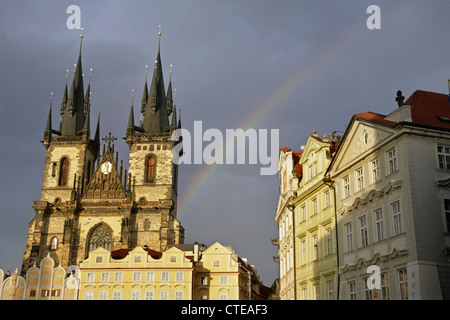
[88, 200]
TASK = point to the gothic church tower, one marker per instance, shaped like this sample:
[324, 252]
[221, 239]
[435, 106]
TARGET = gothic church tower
[87, 199]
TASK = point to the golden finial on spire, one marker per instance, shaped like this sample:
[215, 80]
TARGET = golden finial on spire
[81, 35]
[170, 69]
[51, 96]
[132, 96]
[159, 30]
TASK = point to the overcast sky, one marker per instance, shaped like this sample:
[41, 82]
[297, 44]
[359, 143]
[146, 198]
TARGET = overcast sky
[263, 64]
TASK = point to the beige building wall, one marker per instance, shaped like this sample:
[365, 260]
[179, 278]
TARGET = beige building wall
[315, 225]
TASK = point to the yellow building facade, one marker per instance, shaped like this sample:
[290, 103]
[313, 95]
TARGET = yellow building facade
[315, 225]
[186, 272]
[139, 274]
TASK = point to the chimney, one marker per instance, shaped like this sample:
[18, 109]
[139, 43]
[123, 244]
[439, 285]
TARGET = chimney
[196, 252]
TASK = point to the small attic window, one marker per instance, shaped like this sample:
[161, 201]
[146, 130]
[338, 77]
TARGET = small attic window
[137, 258]
[444, 119]
[98, 259]
[173, 259]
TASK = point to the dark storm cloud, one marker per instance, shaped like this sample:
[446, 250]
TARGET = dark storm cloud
[229, 58]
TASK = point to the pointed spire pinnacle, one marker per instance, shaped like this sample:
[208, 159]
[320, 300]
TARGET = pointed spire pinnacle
[145, 93]
[97, 131]
[169, 100]
[130, 127]
[174, 117]
[179, 118]
[48, 125]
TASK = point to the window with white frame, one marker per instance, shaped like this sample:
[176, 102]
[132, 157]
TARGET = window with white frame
[375, 167]
[349, 236]
[118, 276]
[150, 276]
[351, 285]
[136, 295]
[379, 224]
[315, 248]
[103, 295]
[104, 277]
[90, 277]
[216, 263]
[179, 277]
[89, 295]
[179, 295]
[224, 280]
[303, 212]
[396, 216]
[149, 295]
[330, 290]
[327, 198]
[368, 293]
[305, 293]
[164, 295]
[403, 283]
[328, 235]
[203, 281]
[117, 295]
[443, 156]
[223, 296]
[346, 187]
[314, 206]
[316, 292]
[384, 292]
[363, 230]
[165, 276]
[359, 179]
[304, 252]
[136, 276]
[392, 160]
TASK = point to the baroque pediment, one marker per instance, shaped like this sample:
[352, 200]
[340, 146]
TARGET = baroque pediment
[362, 138]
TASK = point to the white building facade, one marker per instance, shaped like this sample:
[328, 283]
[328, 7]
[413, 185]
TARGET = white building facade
[287, 162]
[392, 180]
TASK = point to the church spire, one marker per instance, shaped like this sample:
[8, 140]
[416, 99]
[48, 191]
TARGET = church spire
[74, 114]
[169, 100]
[155, 114]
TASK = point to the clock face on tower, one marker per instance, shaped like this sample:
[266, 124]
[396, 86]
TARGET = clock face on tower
[106, 167]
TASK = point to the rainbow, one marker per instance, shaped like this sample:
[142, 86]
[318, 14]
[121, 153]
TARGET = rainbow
[263, 108]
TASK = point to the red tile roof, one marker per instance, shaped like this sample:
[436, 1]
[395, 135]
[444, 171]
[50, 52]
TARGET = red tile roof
[428, 109]
[427, 106]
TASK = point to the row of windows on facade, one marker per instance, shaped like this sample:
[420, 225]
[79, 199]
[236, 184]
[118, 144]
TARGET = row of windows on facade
[150, 277]
[150, 170]
[375, 173]
[383, 293]
[443, 153]
[149, 295]
[287, 221]
[380, 230]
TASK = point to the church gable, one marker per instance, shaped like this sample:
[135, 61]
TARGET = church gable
[107, 182]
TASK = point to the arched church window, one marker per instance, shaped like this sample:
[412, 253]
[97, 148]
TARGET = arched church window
[151, 169]
[100, 237]
[63, 171]
[54, 243]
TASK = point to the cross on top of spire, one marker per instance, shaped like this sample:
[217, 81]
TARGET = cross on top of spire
[109, 138]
